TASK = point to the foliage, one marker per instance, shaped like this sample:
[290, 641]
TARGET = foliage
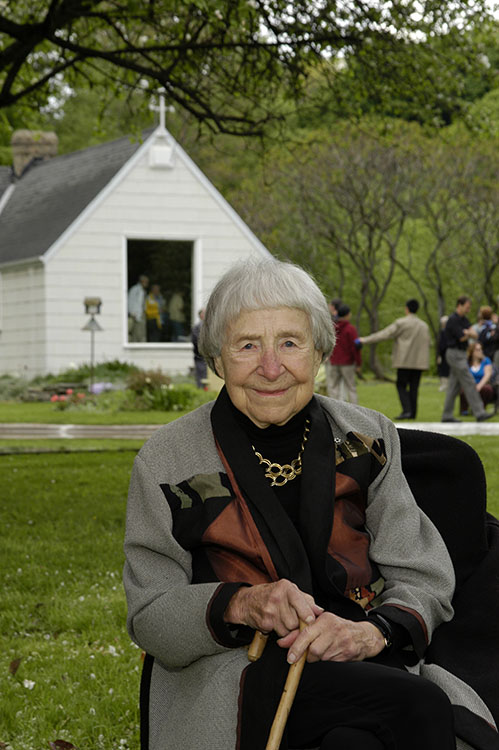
[112, 371]
[143, 381]
[236, 65]
[155, 391]
[380, 212]
[11, 387]
[428, 83]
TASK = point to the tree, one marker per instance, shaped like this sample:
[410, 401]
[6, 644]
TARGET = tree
[234, 65]
[434, 247]
[479, 202]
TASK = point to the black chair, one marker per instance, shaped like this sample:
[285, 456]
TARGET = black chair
[448, 482]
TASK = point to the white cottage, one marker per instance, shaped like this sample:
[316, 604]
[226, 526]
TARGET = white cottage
[88, 224]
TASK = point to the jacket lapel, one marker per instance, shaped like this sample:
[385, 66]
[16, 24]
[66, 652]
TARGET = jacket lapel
[280, 536]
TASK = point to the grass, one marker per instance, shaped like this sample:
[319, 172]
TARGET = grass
[17, 411]
[63, 445]
[488, 449]
[63, 611]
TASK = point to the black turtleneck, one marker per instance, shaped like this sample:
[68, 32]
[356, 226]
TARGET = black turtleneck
[280, 444]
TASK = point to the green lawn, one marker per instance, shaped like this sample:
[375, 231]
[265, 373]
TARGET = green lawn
[380, 395]
[17, 411]
[63, 608]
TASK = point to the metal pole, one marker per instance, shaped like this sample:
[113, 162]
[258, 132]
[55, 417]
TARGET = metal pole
[92, 334]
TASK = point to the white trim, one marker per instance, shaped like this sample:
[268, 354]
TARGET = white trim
[152, 345]
[124, 289]
[197, 280]
[196, 283]
[169, 237]
[6, 195]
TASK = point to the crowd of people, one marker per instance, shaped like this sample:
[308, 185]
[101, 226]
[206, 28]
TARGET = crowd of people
[154, 317]
[467, 358]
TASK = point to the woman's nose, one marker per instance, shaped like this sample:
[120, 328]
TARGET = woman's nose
[270, 365]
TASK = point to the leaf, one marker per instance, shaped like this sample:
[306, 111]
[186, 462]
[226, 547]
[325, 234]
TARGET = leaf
[14, 666]
[62, 745]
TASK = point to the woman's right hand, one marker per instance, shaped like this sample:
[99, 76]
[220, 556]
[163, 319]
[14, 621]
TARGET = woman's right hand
[275, 606]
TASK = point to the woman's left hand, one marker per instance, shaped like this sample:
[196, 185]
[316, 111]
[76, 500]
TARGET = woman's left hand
[331, 638]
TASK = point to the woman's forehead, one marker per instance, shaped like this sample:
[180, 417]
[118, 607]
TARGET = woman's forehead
[278, 321]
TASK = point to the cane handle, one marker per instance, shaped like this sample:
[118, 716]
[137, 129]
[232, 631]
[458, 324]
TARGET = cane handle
[257, 645]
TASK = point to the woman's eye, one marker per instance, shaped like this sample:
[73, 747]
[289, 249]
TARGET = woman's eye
[289, 344]
[248, 346]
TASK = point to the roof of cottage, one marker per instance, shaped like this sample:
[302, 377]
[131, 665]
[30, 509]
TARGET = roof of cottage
[51, 194]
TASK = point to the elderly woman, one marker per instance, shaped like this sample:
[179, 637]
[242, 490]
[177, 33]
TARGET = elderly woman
[230, 529]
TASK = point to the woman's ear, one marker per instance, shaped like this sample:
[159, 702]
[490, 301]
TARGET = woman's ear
[317, 360]
[219, 368]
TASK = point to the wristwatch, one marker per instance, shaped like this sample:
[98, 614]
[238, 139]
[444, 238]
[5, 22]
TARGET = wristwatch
[384, 627]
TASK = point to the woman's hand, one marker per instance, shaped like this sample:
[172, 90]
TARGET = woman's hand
[275, 606]
[331, 638]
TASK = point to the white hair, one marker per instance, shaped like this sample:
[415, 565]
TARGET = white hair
[264, 284]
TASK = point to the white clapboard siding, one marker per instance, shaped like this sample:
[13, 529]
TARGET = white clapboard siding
[22, 336]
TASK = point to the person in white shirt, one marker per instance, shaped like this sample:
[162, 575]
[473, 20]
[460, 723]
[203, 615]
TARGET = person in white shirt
[136, 313]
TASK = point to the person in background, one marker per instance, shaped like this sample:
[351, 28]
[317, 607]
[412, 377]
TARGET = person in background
[458, 331]
[495, 357]
[200, 367]
[136, 310]
[345, 360]
[482, 370]
[410, 354]
[333, 307]
[154, 306]
[442, 366]
[177, 316]
[486, 329]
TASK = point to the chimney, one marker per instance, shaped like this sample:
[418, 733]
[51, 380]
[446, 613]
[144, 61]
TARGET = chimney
[31, 144]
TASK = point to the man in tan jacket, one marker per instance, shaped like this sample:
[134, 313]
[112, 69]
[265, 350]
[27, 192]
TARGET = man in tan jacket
[410, 354]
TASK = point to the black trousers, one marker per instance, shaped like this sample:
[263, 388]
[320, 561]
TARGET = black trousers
[407, 387]
[369, 706]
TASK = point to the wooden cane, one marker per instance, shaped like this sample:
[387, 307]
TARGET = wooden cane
[287, 698]
[257, 645]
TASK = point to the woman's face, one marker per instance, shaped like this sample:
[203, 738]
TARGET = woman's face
[269, 364]
[478, 351]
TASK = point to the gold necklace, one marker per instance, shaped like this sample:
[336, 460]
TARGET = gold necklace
[285, 472]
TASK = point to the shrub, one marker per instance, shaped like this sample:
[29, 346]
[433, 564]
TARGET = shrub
[114, 371]
[11, 387]
[169, 397]
[142, 382]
